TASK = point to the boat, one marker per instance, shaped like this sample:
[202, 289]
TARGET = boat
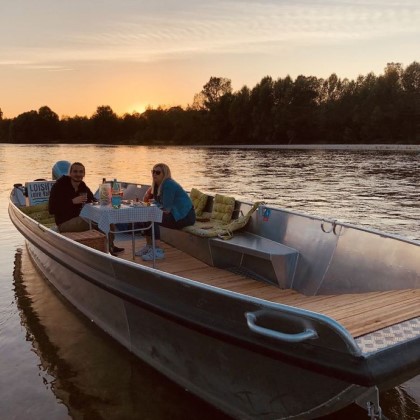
[273, 314]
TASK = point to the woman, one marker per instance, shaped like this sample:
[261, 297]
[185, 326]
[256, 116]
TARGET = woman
[177, 207]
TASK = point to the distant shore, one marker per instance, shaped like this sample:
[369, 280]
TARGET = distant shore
[392, 147]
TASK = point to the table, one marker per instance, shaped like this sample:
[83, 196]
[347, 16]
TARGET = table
[105, 216]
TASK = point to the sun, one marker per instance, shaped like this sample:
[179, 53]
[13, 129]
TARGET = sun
[136, 108]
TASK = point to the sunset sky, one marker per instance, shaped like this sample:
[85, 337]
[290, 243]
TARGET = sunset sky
[76, 55]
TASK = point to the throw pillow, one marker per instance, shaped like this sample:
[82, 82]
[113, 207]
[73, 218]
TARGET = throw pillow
[199, 201]
[223, 207]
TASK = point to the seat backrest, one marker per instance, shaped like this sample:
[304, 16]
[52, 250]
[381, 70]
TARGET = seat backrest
[199, 200]
[223, 207]
[133, 191]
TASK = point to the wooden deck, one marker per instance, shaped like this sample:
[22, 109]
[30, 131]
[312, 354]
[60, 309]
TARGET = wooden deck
[360, 313]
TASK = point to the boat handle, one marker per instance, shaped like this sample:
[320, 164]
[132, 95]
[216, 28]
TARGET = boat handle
[333, 223]
[308, 334]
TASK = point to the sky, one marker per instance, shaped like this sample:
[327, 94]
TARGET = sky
[76, 55]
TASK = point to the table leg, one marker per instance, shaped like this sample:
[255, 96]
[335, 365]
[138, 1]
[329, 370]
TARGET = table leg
[133, 242]
[153, 243]
[107, 243]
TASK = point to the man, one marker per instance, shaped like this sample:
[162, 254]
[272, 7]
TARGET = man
[67, 197]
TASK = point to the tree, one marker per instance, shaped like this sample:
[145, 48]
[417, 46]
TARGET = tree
[4, 128]
[283, 95]
[369, 109]
[331, 89]
[24, 129]
[214, 90]
[303, 110]
[105, 124]
[410, 80]
[262, 107]
[240, 116]
[198, 102]
[334, 113]
[48, 124]
[76, 129]
[36, 127]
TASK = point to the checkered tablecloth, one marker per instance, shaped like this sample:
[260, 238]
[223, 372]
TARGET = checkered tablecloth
[104, 216]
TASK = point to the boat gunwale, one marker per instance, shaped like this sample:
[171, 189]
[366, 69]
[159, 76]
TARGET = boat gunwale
[337, 222]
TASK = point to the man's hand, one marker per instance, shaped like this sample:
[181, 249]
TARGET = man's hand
[80, 199]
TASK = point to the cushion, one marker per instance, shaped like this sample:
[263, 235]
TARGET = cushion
[35, 208]
[222, 230]
[39, 213]
[223, 208]
[199, 201]
[206, 230]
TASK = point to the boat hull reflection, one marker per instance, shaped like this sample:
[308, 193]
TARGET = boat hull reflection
[91, 374]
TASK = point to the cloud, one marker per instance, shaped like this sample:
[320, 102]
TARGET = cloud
[242, 27]
[136, 31]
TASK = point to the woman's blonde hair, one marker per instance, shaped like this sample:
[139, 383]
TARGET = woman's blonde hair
[166, 174]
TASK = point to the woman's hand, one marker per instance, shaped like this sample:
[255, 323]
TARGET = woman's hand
[148, 196]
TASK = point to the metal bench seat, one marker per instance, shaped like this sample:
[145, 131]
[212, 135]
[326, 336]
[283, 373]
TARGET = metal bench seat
[269, 260]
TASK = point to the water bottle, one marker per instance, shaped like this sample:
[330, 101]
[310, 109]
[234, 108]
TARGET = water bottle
[116, 196]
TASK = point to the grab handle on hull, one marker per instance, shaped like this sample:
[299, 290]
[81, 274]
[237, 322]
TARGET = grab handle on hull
[308, 334]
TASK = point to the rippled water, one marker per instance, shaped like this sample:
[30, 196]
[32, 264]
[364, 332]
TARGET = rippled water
[54, 364]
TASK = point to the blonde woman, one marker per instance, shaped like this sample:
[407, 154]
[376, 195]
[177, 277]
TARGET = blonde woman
[177, 207]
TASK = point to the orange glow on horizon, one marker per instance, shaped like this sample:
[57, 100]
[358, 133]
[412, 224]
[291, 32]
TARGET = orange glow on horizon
[136, 108]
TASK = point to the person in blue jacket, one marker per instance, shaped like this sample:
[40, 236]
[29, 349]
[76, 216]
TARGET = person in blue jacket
[177, 207]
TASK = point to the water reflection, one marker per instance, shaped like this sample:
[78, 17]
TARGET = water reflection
[91, 374]
[398, 404]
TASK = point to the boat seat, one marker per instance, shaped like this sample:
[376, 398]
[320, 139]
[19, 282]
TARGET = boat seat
[39, 212]
[91, 238]
[268, 260]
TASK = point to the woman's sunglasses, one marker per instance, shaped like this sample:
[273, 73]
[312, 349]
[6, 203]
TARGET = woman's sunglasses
[156, 172]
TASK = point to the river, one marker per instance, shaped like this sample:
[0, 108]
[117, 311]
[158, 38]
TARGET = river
[86, 375]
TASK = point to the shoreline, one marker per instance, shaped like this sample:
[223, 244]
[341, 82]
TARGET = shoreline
[368, 147]
[360, 147]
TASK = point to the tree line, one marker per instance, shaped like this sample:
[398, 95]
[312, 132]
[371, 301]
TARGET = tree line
[305, 110]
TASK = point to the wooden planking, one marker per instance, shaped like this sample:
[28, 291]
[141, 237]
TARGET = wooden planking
[359, 313]
[345, 308]
[381, 315]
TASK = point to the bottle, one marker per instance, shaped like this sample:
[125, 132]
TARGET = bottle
[104, 193]
[116, 196]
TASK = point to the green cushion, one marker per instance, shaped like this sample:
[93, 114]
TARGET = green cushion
[39, 213]
[223, 206]
[214, 228]
[35, 209]
[199, 201]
